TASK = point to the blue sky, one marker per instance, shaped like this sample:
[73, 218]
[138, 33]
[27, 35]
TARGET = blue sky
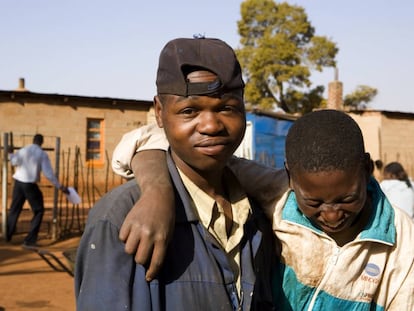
[110, 48]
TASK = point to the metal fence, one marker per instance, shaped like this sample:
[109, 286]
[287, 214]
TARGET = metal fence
[62, 219]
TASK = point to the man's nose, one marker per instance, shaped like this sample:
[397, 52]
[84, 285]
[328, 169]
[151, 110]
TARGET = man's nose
[331, 212]
[209, 123]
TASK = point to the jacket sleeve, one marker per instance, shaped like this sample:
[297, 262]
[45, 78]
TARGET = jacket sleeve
[144, 138]
[103, 270]
[404, 299]
[400, 281]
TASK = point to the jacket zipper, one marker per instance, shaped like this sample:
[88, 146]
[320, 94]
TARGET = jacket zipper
[332, 262]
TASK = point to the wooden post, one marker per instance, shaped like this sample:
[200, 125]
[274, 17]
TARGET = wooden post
[4, 183]
[56, 191]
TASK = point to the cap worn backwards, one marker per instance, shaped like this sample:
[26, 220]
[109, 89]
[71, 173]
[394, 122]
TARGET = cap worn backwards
[181, 56]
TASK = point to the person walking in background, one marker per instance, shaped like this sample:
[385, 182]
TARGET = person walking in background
[29, 162]
[398, 187]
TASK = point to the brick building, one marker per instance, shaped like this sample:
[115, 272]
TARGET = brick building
[388, 135]
[85, 128]
[91, 125]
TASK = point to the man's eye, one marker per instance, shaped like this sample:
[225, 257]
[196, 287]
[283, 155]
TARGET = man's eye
[313, 204]
[347, 202]
[230, 108]
[188, 111]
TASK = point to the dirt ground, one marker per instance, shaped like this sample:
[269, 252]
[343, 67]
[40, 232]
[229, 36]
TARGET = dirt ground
[27, 282]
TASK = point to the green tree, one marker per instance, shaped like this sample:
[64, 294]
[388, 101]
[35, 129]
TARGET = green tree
[360, 98]
[279, 49]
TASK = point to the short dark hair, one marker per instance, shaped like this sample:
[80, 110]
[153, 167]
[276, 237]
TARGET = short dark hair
[324, 140]
[38, 139]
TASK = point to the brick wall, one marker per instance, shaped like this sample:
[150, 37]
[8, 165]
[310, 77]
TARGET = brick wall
[388, 136]
[56, 117]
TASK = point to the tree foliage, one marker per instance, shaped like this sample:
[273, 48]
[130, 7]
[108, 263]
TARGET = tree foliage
[360, 98]
[279, 49]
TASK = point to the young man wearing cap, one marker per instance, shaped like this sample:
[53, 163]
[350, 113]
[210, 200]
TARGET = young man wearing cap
[221, 254]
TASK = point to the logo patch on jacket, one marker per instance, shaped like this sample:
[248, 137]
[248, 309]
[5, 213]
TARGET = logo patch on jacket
[371, 273]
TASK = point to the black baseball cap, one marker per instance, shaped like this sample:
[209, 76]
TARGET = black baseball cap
[181, 56]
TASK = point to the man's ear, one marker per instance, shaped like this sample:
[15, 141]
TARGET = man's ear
[287, 173]
[158, 111]
[369, 164]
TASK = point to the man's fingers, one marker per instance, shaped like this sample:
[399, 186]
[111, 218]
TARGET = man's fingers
[125, 230]
[144, 252]
[132, 244]
[157, 259]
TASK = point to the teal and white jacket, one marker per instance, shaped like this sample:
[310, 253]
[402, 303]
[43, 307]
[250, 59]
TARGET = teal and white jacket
[373, 272]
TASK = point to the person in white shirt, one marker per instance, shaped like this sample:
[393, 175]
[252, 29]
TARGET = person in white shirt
[30, 161]
[398, 187]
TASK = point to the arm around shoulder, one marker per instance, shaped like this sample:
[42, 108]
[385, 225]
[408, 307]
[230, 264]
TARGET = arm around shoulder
[264, 183]
[144, 138]
[150, 223]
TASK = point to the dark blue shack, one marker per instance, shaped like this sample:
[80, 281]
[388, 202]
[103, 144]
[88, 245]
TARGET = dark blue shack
[265, 137]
